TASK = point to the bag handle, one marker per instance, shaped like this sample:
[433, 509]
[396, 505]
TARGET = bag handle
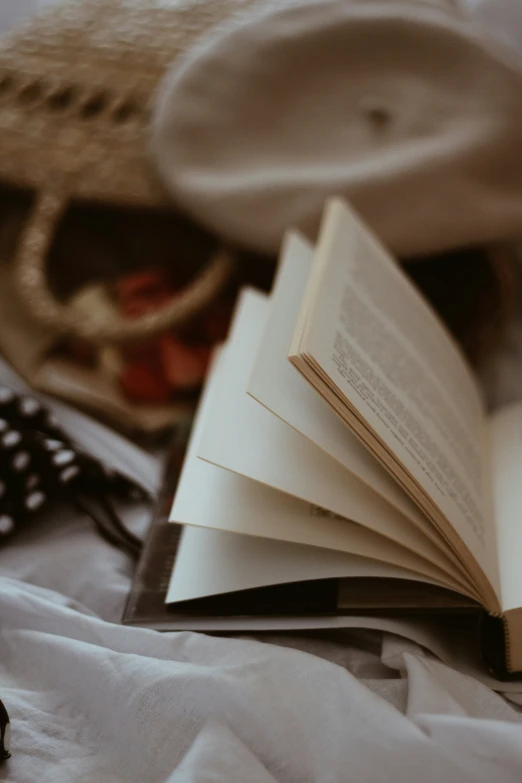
[31, 282]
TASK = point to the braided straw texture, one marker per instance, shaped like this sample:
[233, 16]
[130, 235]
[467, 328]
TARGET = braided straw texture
[77, 85]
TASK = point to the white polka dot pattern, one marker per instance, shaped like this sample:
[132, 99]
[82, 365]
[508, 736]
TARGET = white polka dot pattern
[40, 464]
[10, 439]
[35, 500]
[6, 524]
[63, 457]
[21, 461]
[28, 406]
[32, 481]
[69, 473]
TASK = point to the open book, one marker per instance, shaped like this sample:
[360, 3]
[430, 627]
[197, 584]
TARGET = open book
[341, 436]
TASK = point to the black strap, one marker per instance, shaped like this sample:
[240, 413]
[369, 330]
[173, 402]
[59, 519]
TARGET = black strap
[40, 464]
[5, 733]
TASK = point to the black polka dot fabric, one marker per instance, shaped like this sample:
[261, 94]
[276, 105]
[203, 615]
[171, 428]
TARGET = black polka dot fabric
[39, 465]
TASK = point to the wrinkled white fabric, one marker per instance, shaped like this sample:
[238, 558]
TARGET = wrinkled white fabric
[91, 700]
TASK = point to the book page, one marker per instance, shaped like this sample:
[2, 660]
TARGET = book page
[276, 384]
[243, 436]
[505, 434]
[214, 562]
[403, 380]
[211, 497]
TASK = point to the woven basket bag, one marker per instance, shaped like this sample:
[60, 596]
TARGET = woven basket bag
[77, 84]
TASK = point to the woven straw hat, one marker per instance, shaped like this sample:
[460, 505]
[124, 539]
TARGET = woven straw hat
[76, 87]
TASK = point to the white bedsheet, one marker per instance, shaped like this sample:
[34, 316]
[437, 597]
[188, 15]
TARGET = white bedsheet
[93, 701]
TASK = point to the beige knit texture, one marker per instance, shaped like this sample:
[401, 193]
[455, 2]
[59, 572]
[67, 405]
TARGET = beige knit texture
[403, 108]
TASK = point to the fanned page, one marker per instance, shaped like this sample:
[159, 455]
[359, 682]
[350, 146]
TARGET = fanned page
[374, 349]
[215, 562]
[277, 385]
[208, 496]
[244, 437]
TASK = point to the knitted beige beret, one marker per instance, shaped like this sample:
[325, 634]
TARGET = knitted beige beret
[404, 108]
